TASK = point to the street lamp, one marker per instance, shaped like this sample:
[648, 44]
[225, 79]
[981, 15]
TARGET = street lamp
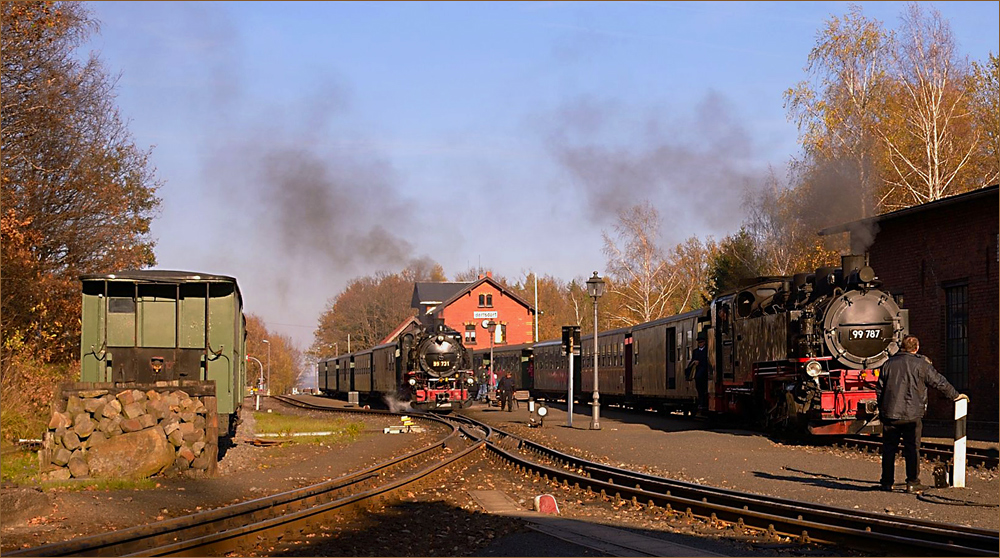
[268, 343]
[595, 288]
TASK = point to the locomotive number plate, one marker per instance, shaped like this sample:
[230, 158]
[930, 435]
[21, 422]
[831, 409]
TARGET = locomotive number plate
[866, 334]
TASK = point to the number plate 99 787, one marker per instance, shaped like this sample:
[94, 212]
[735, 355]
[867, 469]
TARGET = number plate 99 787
[872, 333]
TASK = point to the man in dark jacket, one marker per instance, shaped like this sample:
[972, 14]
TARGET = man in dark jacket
[698, 369]
[506, 390]
[902, 401]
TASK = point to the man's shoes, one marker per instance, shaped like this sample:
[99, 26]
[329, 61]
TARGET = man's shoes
[885, 487]
[915, 488]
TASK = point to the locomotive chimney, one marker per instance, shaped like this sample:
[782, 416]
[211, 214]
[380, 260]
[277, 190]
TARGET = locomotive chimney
[852, 263]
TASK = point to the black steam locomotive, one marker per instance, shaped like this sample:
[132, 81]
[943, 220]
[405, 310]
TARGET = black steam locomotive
[804, 351]
[798, 353]
[427, 367]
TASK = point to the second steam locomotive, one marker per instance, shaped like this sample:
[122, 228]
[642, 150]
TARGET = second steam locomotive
[426, 366]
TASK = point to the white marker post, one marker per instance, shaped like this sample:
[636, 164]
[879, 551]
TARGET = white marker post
[961, 411]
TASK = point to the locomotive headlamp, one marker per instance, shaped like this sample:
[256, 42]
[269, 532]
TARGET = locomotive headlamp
[413, 381]
[471, 381]
[440, 339]
[814, 368]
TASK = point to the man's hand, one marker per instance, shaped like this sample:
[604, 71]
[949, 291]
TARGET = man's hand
[962, 396]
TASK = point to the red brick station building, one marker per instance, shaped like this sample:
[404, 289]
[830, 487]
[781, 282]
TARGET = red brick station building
[470, 307]
[942, 257]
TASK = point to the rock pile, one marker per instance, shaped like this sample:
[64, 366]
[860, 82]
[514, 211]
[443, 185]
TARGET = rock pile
[114, 432]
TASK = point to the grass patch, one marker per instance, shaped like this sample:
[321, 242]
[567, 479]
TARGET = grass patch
[19, 467]
[100, 484]
[340, 430]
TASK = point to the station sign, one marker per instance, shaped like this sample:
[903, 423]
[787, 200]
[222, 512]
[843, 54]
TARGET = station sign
[484, 315]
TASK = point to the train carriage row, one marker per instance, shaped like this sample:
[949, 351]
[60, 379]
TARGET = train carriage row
[797, 352]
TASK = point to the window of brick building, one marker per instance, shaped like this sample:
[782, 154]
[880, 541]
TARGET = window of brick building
[957, 335]
[489, 301]
[482, 300]
[470, 334]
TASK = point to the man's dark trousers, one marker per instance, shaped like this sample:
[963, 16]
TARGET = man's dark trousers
[892, 432]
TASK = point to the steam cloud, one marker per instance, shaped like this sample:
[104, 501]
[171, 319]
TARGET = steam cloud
[693, 166]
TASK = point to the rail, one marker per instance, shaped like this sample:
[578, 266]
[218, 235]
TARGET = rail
[802, 521]
[238, 528]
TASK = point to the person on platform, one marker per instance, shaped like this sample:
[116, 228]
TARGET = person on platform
[506, 390]
[698, 367]
[902, 400]
[484, 384]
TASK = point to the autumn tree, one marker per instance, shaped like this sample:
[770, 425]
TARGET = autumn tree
[642, 278]
[904, 109]
[78, 195]
[985, 86]
[930, 135]
[737, 259]
[423, 269]
[838, 109]
[281, 363]
[367, 310]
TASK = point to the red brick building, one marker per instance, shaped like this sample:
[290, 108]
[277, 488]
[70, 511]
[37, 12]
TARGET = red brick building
[942, 257]
[469, 307]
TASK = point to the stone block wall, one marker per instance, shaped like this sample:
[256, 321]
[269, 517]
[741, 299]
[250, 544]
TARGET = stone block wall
[131, 430]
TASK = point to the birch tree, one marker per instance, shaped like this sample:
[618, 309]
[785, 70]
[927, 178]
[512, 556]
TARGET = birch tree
[933, 140]
[838, 108]
[640, 273]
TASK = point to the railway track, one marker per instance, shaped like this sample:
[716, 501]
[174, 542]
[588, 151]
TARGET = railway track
[801, 521]
[933, 451]
[241, 527]
[986, 458]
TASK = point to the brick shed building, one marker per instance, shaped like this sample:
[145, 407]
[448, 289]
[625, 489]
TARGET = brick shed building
[469, 307]
[942, 257]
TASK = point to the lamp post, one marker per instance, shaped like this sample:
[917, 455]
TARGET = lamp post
[492, 327]
[260, 382]
[268, 343]
[595, 288]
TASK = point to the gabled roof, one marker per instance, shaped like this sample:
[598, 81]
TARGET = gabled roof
[433, 294]
[963, 197]
[441, 295]
[470, 286]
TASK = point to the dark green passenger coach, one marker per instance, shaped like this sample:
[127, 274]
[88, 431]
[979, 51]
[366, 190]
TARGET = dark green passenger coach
[147, 326]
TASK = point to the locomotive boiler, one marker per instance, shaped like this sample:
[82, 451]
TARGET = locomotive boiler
[802, 352]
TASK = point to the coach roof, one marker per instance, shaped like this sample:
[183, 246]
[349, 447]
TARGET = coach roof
[159, 276]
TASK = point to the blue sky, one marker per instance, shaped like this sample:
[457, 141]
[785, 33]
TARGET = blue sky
[303, 144]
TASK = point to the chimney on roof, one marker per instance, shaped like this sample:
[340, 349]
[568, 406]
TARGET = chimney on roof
[481, 275]
[489, 274]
